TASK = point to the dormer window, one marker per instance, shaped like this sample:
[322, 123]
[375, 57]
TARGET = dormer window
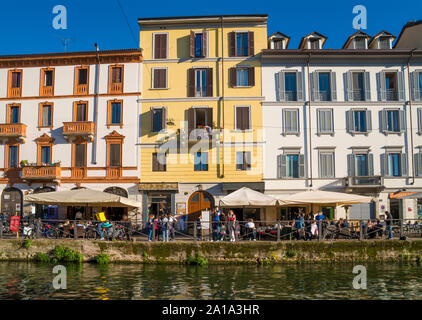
[360, 43]
[314, 43]
[278, 41]
[278, 44]
[384, 43]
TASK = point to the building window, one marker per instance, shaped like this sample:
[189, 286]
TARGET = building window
[198, 45]
[13, 113]
[359, 121]
[324, 86]
[289, 86]
[242, 77]
[81, 80]
[159, 78]
[46, 154]
[418, 163]
[391, 86]
[242, 115]
[45, 115]
[392, 121]
[326, 165]
[291, 165]
[357, 86]
[201, 161]
[160, 46]
[360, 43]
[360, 164]
[159, 162]
[314, 43]
[243, 160]
[47, 82]
[291, 121]
[200, 82]
[115, 113]
[115, 84]
[394, 164]
[278, 44]
[115, 154]
[384, 43]
[15, 83]
[80, 111]
[200, 122]
[417, 85]
[13, 156]
[158, 117]
[325, 121]
[80, 155]
[241, 44]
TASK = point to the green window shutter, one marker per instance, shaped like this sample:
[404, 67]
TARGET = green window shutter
[367, 86]
[281, 86]
[400, 86]
[301, 166]
[299, 86]
[333, 86]
[404, 170]
[382, 91]
[349, 86]
[351, 165]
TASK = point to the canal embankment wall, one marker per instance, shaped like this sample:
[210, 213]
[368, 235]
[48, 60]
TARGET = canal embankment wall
[219, 252]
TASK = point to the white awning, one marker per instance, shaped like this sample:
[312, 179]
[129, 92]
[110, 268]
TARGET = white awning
[323, 197]
[247, 197]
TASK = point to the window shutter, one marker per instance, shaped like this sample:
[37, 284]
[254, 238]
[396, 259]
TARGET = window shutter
[367, 86]
[368, 120]
[155, 162]
[404, 164]
[350, 121]
[115, 155]
[157, 80]
[239, 118]
[315, 86]
[163, 78]
[402, 120]
[191, 119]
[232, 44]
[351, 164]
[301, 166]
[192, 44]
[299, 87]
[251, 76]
[208, 112]
[283, 166]
[204, 42]
[416, 87]
[151, 123]
[79, 155]
[251, 42]
[157, 47]
[191, 82]
[419, 120]
[383, 164]
[383, 120]
[370, 164]
[232, 77]
[418, 164]
[209, 82]
[381, 87]
[349, 86]
[46, 115]
[281, 86]
[400, 86]
[164, 119]
[333, 86]
[163, 44]
[319, 121]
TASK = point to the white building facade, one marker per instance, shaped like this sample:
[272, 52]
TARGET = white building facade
[346, 120]
[69, 120]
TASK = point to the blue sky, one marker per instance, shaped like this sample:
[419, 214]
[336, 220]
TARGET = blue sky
[26, 26]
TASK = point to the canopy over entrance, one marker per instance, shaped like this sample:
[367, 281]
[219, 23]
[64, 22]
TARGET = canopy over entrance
[247, 197]
[79, 197]
[323, 197]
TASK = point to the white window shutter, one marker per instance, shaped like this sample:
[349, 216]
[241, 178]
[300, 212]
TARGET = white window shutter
[315, 86]
[281, 86]
[283, 166]
[368, 121]
[383, 164]
[367, 86]
[349, 86]
[333, 86]
[351, 165]
[350, 121]
[299, 87]
[400, 85]
[402, 120]
[383, 120]
[381, 87]
[404, 164]
[301, 166]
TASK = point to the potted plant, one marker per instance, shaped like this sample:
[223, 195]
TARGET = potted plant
[24, 163]
[170, 122]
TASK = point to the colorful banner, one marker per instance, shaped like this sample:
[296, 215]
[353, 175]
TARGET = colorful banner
[14, 223]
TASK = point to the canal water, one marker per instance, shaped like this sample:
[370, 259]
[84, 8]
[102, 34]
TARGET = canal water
[21, 280]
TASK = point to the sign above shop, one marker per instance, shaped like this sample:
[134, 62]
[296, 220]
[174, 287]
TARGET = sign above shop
[398, 195]
[158, 186]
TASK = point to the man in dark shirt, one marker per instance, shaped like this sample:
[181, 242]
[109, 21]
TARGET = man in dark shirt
[389, 224]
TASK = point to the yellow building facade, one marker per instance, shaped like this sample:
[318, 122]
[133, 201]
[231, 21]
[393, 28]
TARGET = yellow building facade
[201, 116]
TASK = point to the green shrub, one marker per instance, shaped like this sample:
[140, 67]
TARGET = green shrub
[198, 260]
[27, 243]
[66, 254]
[291, 253]
[102, 258]
[42, 257]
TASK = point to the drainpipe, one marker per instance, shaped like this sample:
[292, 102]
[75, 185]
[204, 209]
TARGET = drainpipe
[410, 116]
[222, 92]
[309, 121]
[97, 85]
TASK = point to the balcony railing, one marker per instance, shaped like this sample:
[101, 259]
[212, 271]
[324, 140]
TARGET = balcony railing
[37, 172]
[358, 95]
[78, 172]
[391, 95]
[116, 87]
[114, 172]
[81, 89]
[290, 95]
[13, 130]
[324, 95]
[15, 92]
[202, 133]
[78, 128]
[364, 181]
[47, 91]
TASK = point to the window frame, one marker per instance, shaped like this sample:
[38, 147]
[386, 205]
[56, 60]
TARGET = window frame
[154, 34]
[332, 154]
[10, 83]
[7, 154]
[164, 119]
[119, 88]
[44, 141]
[236, 33]
[153, 78]
[114, 138]
[244, 165]
[319, 129]
[9, 106]
[297, 111]
[40, 115]
[109, 113]
[78, 88]
[160, 167]
[75, 110]
[43, 91]
[249, 121]
[201, 163]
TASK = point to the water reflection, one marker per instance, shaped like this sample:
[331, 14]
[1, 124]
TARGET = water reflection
[20, 280]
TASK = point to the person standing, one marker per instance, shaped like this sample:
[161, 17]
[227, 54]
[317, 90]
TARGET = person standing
[389, 224]
[165, 228]
[78, 215]
[150, 226]
[216, 224]
[199, 227]
[172, 226]
[231, 219]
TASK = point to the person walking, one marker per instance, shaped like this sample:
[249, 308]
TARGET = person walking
[231, 219]
[199, 227]
[389, 224]
[150, 226]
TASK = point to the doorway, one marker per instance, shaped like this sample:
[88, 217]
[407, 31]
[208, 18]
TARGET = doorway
[12, 201]
[199, 201]
[395, 208]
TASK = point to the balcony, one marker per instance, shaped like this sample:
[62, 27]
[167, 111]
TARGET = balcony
[358, 95]
[85, 129]
[15, 92]
[81, 89]
[324, 95]
[47, 91]
[116, 87]
[114, 172]
[203, 134]
[290, 95]
[13, 130]
[41, 172]
[364, 182]
[78, 172]
[391, 95]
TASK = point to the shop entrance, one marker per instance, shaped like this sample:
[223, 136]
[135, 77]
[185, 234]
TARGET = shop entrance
[290, 213]
[12, 201]
[395, 208]
[199, 201]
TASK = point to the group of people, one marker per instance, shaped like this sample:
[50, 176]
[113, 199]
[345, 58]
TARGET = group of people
[163, 225]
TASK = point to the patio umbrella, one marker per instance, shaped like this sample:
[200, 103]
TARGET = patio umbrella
[324, 197]
[245, 197]
[86, 197]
